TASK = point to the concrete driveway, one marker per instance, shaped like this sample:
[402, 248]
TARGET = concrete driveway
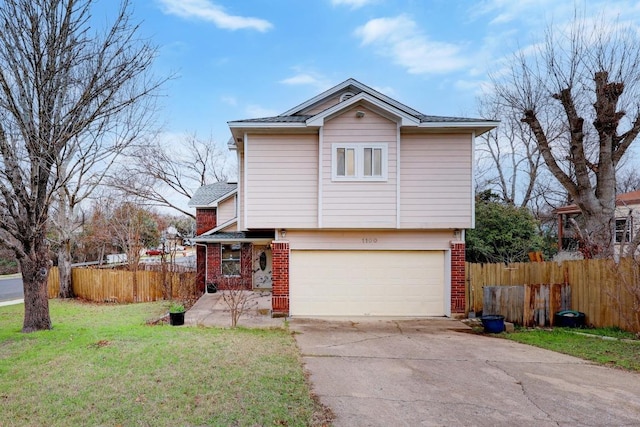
[433, 372]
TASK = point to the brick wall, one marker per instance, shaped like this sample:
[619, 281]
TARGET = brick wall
[206, 219]
[214, 268]
[201, 267]
[280, 293]
[458, 300]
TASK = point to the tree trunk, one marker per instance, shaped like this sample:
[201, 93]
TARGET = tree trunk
[35, 275]
[64, 270]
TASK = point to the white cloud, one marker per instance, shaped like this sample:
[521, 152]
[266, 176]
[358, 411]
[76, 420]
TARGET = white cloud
[257, 111]
[229, 100]
[401, 40]
[303, 76]
[476, 87]
[300, 79]
[353, 4]
[207, 11]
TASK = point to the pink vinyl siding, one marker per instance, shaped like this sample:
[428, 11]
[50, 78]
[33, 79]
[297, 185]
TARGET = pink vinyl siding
[227, 210]
[232, 227]
[359, 204]
[282, 178]
[370, 239]
[436, 181]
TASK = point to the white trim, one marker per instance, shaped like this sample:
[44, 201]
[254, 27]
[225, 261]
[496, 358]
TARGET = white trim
[240, 190]
[220, 227]
[269, 124]
[261, 240]
[398, 201]
[246, 193]
[401, 116]
[345, 84]
[359, 148]
[478, 128]
[320, 146]
[473, 174]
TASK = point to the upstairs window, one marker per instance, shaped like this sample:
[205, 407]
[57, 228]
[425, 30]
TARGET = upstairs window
[359, 162]
[624, 230]
[231, 259]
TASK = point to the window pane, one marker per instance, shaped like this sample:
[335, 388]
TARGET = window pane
[340, 162]
[377, 162]
[367, 161]
[351, 162]
[231, 259]
[624, 231]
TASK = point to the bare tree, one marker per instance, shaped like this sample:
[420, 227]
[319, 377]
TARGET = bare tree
[63, 87]
[512, 155]
[628, 181]
[164, 173]
[588, 76]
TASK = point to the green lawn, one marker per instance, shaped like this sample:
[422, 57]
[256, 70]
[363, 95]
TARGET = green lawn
[623, 352]
[102, 365]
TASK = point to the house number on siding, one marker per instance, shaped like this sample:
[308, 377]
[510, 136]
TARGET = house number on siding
[369, 240]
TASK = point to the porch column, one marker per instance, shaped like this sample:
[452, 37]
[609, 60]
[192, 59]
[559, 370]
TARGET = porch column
[280, 278]
[458, 298]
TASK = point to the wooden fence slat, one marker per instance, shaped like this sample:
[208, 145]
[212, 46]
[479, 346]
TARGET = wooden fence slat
[606, 293]
[106, 285]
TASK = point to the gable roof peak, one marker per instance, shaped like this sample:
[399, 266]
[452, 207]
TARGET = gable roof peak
[208, 194]
[354, 86]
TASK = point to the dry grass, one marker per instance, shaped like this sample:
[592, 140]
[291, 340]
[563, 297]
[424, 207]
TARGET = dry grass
[101, 365]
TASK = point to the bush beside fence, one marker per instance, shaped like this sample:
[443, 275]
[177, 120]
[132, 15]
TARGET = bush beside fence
[110, 285]
[607, 293]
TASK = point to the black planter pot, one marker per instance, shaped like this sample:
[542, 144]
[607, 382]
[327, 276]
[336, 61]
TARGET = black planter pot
[176, 319]
[569, 319]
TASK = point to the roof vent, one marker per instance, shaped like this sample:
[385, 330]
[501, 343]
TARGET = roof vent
[346, 96]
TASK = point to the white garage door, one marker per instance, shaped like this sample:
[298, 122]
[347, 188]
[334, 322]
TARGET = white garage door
[367, 283]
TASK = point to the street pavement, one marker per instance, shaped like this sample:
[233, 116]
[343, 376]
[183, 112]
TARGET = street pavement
[11, 288]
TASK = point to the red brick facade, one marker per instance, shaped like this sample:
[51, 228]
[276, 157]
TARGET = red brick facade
[458, 299]
[206, 219]
[201, 267]
[280, 293]
[214, 268]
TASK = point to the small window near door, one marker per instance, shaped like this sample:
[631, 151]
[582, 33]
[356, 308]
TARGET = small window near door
[624, 230]
[231, 259]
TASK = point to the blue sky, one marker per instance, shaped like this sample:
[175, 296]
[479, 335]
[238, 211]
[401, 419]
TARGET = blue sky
[237, 59]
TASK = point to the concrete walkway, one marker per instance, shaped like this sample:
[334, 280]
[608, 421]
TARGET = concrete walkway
[212, 310]
[12, 302]
[433, 372]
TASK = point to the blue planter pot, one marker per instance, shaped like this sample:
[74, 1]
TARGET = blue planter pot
[493, 324]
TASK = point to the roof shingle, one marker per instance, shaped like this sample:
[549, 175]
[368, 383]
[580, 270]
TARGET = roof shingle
[208, 194]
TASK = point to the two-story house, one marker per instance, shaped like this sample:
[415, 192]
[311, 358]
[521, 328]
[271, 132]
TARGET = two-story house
[349, 204]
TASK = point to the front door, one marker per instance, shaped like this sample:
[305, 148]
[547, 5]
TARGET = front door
[262, 267]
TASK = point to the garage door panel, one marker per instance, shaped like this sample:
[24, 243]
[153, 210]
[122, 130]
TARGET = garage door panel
[361, 283]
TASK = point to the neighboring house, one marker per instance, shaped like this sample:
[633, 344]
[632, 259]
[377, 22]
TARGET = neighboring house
[627, 222]
[349, 204]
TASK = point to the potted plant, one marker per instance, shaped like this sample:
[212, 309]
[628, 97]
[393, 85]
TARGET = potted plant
[176, 314]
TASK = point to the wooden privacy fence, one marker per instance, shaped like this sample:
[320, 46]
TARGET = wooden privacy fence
[607, 293]
[528, 305]
[109, 285]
